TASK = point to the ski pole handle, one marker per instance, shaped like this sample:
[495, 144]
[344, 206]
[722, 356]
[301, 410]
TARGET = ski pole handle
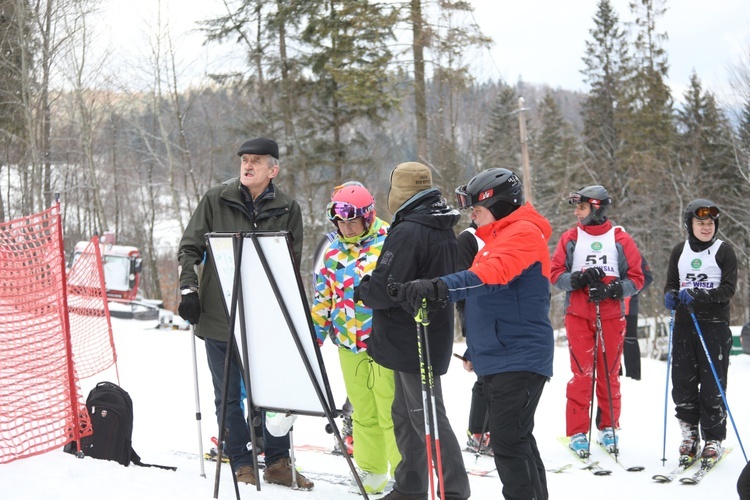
[422, 316]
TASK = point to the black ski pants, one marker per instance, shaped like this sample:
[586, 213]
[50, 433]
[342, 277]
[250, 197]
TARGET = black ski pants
[478, 412]
[630, 349]
[694, 391]
[408, 425]
[513, 399]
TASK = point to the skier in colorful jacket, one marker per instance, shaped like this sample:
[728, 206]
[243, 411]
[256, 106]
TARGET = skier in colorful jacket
[509, 337]
[336, 314]
[701, 280]
[598, 265]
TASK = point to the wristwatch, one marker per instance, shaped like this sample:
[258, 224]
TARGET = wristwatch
[188, 290]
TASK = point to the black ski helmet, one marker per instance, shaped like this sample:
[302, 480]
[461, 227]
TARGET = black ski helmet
[701, 209]
[489, 188]
[599, 200]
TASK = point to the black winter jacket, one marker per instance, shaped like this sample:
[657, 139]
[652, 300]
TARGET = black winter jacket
[420, 245]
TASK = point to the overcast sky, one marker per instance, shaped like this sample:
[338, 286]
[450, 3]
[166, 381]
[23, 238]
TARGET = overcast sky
[543, 41]
[540, 41]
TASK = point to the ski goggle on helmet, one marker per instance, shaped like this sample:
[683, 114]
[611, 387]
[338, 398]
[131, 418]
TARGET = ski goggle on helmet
[351, 202]
[703, 213]
[342, 210]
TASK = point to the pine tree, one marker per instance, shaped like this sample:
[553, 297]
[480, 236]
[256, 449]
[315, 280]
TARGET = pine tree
[555, 163]
[348, 57]
[706, 149]
[501, 145]
[652, 130]
[606, 112]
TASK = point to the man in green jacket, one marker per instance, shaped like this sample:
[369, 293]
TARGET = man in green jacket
[250, 202]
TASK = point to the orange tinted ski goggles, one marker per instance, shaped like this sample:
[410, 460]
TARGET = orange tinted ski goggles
[703, 213]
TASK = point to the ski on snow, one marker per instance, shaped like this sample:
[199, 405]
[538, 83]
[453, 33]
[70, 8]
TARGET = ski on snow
[594, 467]
[707, 465]
[670, 476]
[490, 471]
[328, 477]
[617, 457]
[683, 467]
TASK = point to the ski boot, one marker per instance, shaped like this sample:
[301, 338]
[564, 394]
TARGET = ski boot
[690, 445]
[608, 439]
[712, 451]
[478, 443]
[580, 444]
[346, 435]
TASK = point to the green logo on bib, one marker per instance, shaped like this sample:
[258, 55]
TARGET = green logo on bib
[696, 264]
[596, 246]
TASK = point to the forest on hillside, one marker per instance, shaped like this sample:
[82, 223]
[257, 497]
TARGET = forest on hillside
[333, 82]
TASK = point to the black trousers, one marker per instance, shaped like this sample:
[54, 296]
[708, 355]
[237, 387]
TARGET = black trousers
[408, 425]
[513, 399]
[694, 391]
[631, 349]
[479, 411]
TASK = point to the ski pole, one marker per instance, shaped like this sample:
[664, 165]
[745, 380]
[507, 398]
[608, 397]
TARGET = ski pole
[593, 390]
[428, 385]
[425, 410]
[431, 387]
[716, 377]
[485, 425]
[600, 332]
[197, 403]
[666, 390]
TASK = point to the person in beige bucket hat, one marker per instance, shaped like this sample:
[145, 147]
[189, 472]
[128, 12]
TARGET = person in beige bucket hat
[420, 244]
[407, 179]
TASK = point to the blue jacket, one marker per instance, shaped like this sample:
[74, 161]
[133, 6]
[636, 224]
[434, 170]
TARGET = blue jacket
[507, 293]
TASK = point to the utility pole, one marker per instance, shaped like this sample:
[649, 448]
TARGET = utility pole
[524, 150]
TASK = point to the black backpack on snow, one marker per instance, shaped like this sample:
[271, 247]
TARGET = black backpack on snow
[111, 412]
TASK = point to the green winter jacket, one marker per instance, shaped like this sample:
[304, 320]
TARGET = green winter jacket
[223, 209]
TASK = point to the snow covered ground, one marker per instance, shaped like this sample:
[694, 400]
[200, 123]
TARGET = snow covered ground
[155, 367]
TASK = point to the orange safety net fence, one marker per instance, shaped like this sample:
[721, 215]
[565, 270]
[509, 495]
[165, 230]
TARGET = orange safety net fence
[90, 324]
[41, 406]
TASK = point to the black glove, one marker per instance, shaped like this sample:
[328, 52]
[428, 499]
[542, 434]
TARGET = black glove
[580, 279]
[415, 291]
[190, 308]
[364, 279]
[597, 291]
[689, 295]
[614, 290]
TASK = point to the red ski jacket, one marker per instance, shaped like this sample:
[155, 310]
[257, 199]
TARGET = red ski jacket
[628, 263]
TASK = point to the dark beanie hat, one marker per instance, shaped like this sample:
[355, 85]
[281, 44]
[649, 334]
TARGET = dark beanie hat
[259, 146]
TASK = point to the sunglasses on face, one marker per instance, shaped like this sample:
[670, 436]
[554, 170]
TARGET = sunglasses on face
[341, 210]
[703, 213]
